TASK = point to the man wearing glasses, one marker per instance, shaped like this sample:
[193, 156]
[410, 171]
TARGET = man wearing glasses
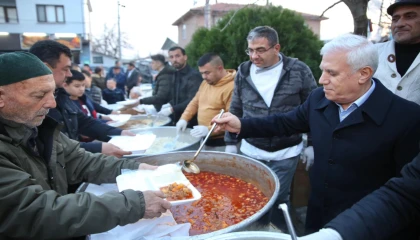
[270, 83]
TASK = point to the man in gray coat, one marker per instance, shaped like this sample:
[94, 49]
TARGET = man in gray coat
[268, 84]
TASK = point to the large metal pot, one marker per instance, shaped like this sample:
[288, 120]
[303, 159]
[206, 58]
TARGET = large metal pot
[235, 165]
[252, 235]
[185, 136]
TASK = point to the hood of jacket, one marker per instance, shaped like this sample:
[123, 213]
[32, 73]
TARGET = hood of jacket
[230, 76]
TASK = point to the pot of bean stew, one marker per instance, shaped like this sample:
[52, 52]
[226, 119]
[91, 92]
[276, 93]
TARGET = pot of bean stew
[237, 193]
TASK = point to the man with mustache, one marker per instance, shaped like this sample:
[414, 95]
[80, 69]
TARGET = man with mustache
[58, 58]
[37, 162]
[185, 84]
[399, 59]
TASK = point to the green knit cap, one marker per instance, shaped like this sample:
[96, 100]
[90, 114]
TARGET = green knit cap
[19, 66]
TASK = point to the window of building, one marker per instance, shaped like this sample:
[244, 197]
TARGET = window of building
[98, 59]
[8, 14]
[184, 31]
[50, 13]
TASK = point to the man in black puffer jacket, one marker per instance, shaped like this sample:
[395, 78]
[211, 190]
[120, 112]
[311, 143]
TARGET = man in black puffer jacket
[185, 84]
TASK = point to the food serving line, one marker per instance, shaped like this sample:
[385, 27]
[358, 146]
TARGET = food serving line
[235, 193]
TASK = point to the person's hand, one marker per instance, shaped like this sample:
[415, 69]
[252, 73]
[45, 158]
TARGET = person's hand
[106, 118]
[145, 166]
[228, 122]
[134, 95]
[149, 109]
[114, 112]
[231, 149]
[154, 204]
[308, 157]
[112, 150]
[181, 125]
[127, 133]
[199, 131]
[166, 105]
[166, 111]
[323, 234]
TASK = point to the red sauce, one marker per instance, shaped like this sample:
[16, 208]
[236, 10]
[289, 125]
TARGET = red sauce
[225, 201]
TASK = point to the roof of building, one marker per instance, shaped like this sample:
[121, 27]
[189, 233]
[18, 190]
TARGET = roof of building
[227, 7]
[168, 44]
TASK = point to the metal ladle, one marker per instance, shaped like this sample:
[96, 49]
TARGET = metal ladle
[188, 165]
[289, 223]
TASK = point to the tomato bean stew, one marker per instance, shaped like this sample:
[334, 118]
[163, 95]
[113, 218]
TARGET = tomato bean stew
[176, 191]
[225, 201]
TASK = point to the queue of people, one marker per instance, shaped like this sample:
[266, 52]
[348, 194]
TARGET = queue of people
[363, 124]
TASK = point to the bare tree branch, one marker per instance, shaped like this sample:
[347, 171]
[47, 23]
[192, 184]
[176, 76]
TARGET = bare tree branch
[231, 18]
[107, 42]
[329, 8]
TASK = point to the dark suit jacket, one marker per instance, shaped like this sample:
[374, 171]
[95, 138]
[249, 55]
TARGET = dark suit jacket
[132, 80]
[385, 211]
[353, 157]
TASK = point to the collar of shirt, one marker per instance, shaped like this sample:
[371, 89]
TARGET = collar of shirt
[261, 70]
[344, 113]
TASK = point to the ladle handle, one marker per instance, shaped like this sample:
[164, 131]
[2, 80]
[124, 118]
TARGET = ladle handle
[208, 134]
[289, 223]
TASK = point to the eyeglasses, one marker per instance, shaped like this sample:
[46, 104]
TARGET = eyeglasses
[259, 51]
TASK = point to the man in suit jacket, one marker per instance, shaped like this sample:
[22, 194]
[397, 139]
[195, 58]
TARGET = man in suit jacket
[132, 77]
[362, 133]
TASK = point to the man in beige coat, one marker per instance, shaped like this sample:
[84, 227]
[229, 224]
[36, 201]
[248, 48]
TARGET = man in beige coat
[214, 94]
[37, 162]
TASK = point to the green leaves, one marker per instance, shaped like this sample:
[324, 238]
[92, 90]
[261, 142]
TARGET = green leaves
[296, 39]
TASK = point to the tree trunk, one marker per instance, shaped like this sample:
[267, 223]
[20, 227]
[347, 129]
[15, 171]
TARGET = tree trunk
[358, 10]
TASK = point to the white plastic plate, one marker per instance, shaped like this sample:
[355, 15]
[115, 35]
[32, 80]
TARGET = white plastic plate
[136, 144]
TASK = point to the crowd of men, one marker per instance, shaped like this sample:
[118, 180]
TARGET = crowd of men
[363, 126]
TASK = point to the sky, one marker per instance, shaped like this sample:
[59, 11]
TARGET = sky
[147, 23]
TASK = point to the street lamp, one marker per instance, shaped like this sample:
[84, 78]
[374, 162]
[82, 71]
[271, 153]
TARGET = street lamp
[119, 30]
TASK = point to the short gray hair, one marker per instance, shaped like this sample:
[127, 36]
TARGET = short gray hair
[264, 32]
[360, 52]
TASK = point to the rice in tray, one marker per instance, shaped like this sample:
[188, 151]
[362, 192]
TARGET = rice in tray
[158, 145]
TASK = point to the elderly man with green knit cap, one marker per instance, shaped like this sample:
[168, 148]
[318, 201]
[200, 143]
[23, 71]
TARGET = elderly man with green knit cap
[37, 162]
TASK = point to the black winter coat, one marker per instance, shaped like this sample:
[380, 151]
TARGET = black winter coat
[185, 85]
[385, 211]
[162, 90]
[353, 157]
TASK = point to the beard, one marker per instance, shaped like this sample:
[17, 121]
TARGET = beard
[19, 115]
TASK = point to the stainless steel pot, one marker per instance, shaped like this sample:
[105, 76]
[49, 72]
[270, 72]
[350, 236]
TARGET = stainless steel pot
[185, 136]
[252, 235]
[235, 165]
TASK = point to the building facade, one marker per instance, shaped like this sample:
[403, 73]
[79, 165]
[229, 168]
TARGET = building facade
[193, 19]
[24, 22]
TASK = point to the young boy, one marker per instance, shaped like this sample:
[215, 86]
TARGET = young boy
[112, 94]
[75, 86]
[92, 91]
